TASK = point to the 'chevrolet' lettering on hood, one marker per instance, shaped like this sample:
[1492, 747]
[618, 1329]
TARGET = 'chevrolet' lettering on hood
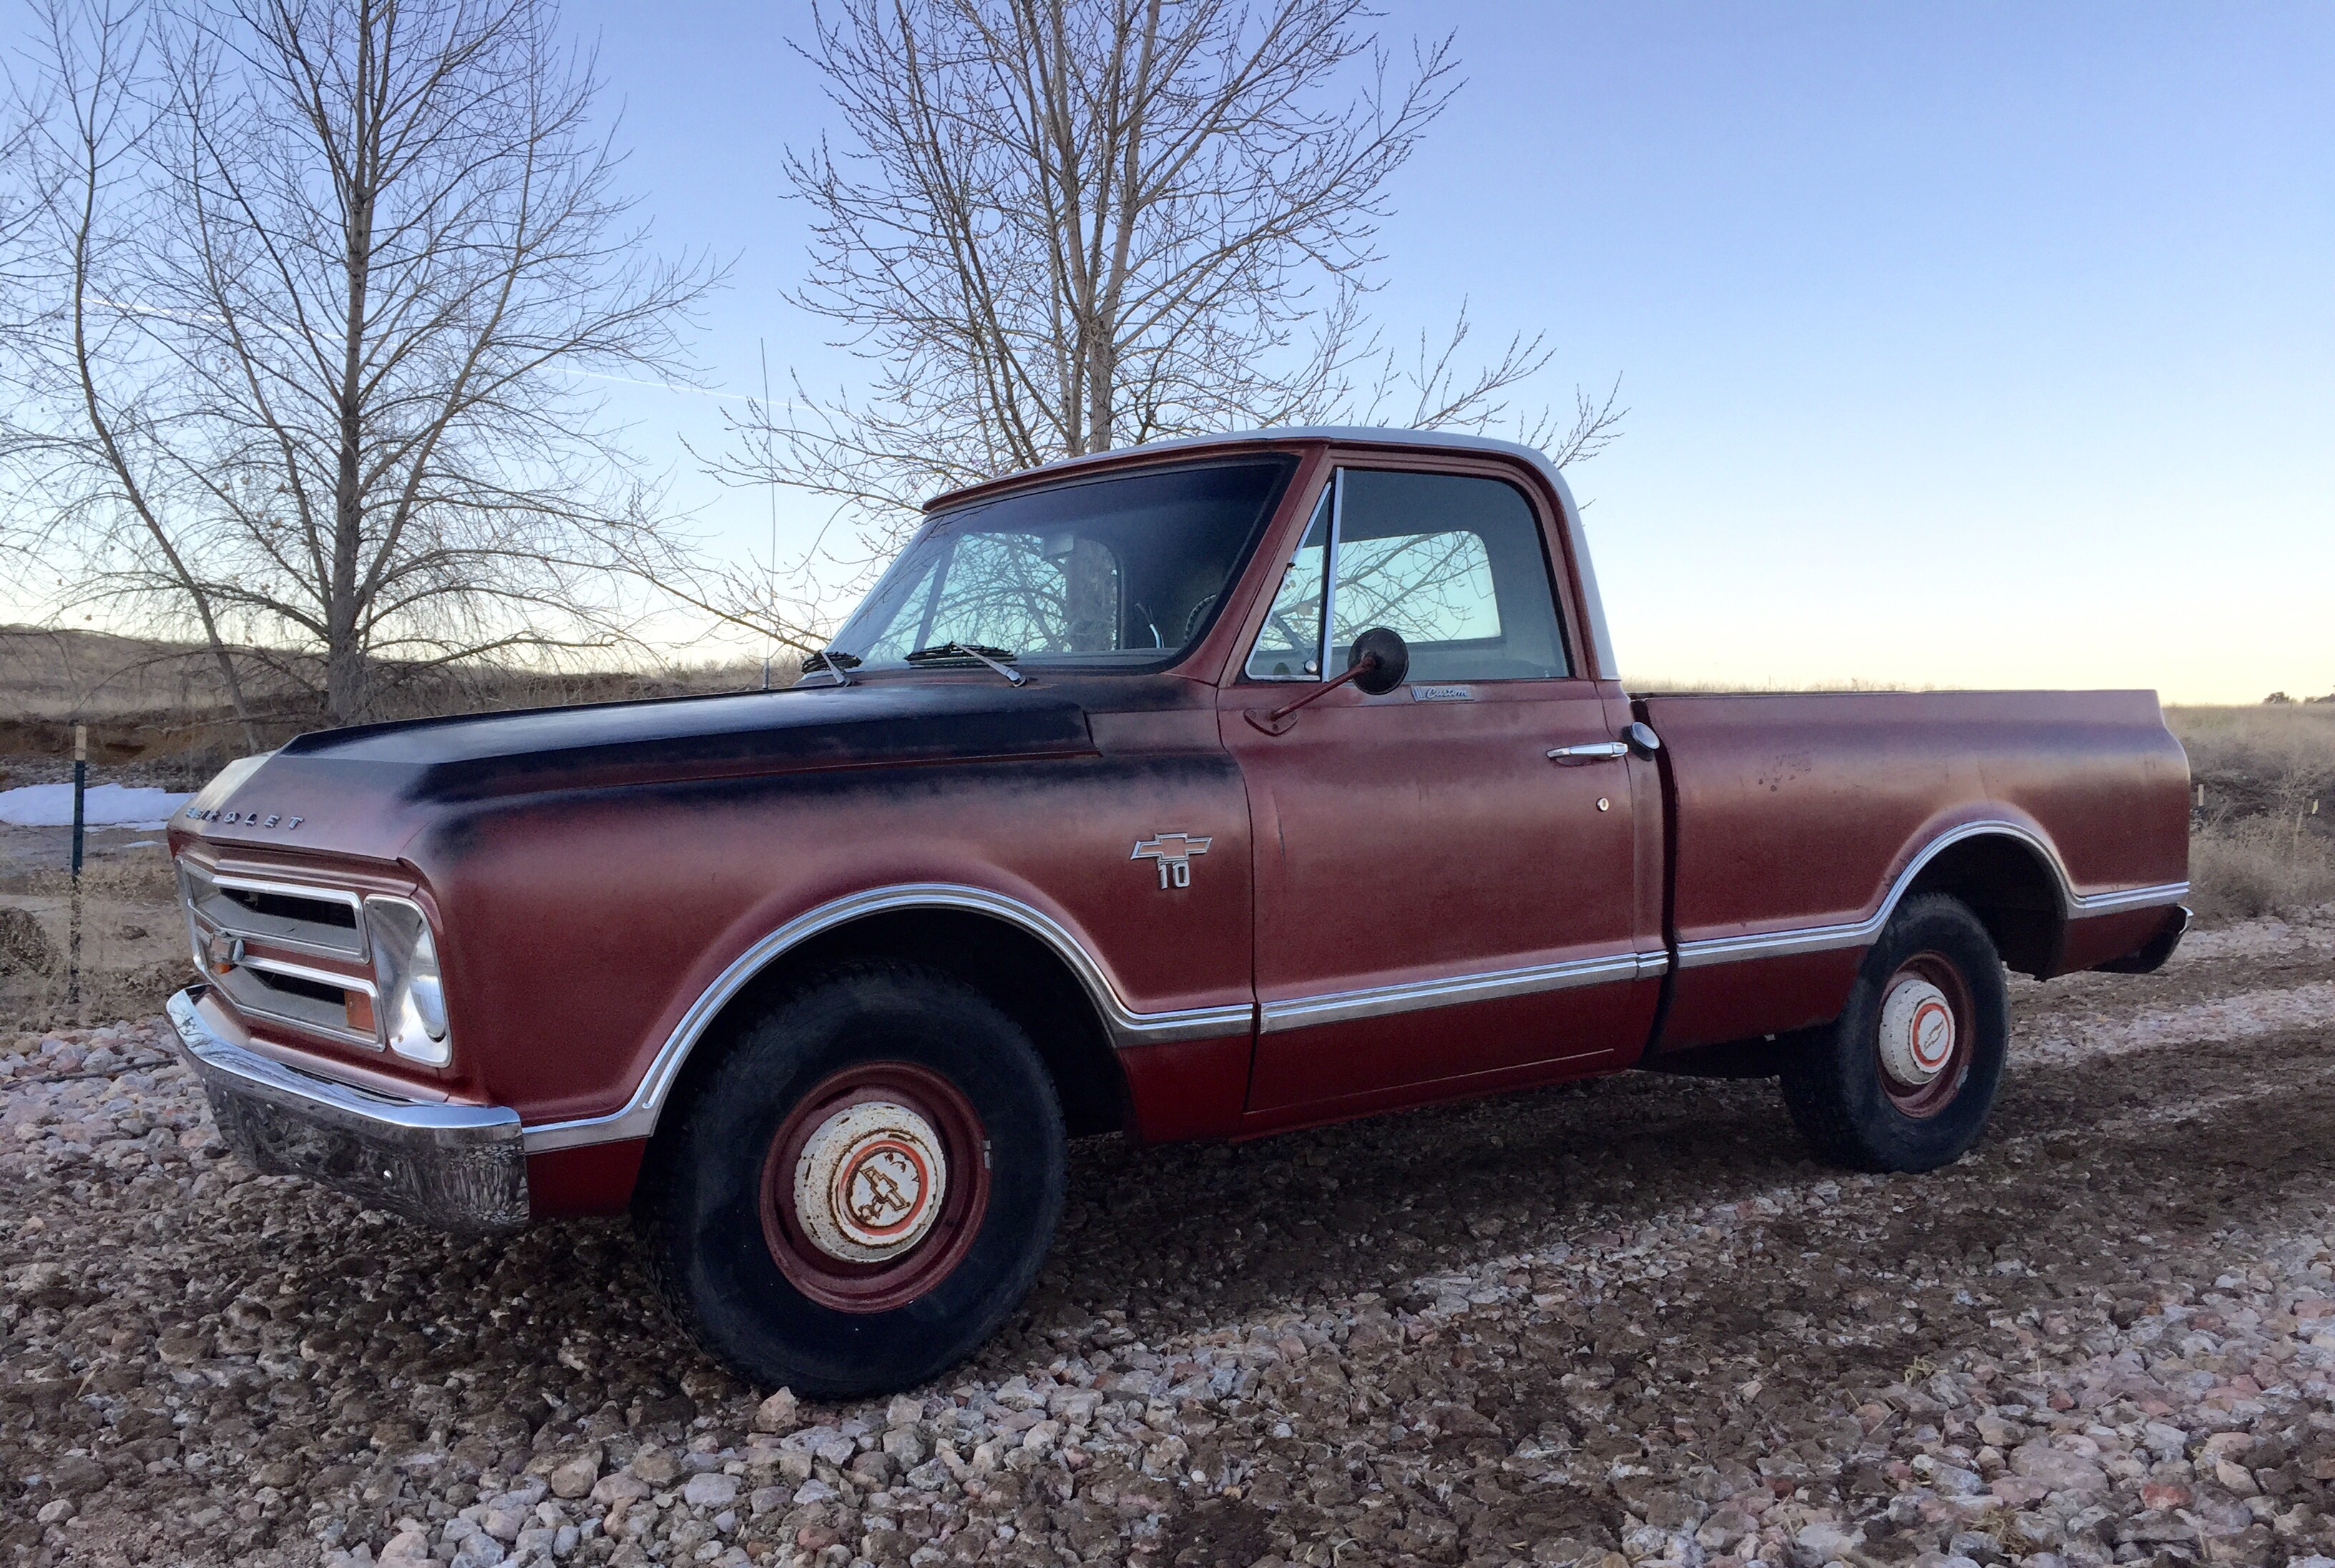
[246, 819]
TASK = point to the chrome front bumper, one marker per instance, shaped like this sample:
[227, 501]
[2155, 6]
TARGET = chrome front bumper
[457, 1166]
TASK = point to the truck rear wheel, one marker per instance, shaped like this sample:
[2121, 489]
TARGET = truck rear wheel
[862, 1188]
[1905, 1079]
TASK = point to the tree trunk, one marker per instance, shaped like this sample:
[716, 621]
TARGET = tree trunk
[345, 671]
[225, 662]
[345, 652]
[1102, 375]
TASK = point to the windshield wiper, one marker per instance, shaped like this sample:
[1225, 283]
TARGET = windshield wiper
[835, 662]
[993, 657]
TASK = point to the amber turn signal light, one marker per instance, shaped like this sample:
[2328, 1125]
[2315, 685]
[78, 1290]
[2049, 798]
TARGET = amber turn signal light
[360, 1007]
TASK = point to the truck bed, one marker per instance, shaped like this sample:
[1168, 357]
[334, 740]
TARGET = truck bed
[1795, 822]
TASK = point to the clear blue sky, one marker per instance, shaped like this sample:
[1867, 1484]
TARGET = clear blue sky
[1967, 343]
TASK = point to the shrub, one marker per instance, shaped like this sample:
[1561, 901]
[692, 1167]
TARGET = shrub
[2255, 866]
[2258, 847]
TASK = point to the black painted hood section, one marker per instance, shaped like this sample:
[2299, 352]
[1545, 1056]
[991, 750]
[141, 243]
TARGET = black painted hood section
[748, 732]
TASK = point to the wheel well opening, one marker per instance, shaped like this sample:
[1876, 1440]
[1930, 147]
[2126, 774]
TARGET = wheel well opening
[2012, 889]
[1017, 971]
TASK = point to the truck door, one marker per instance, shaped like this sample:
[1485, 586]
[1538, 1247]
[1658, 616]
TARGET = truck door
[1441, 907]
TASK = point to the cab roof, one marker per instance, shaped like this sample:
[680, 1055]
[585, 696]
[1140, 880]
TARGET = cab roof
[1389, 437]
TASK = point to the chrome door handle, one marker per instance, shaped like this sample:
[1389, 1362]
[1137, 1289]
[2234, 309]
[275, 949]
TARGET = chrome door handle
[1598, 752]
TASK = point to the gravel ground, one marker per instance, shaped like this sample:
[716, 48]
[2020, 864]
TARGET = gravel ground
[1619, 1323]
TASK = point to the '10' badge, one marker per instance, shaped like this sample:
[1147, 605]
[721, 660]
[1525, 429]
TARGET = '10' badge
[1174, 852]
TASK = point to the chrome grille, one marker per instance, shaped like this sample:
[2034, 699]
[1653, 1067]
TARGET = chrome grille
[319, 920]
[225, 912]
[267, 989]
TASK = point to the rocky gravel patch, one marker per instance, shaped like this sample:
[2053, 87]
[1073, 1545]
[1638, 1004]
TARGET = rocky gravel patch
[1614, 1324]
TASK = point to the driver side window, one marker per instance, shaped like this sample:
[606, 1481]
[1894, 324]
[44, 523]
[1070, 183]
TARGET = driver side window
[1452, 562]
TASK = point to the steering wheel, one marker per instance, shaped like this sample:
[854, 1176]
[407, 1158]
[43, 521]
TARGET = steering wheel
[1198, 613]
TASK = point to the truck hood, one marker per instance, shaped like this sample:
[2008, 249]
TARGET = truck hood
[364, 790]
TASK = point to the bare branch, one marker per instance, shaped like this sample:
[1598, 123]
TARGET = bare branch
[316, 279]
[1054, 227]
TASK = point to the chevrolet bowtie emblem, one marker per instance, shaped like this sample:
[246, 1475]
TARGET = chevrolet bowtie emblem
[1174, 852]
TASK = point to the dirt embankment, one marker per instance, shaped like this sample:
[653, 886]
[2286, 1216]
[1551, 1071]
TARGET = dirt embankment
[133, 948]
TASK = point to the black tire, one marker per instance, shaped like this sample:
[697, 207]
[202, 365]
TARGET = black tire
[701, 1205]
[1844, 1101]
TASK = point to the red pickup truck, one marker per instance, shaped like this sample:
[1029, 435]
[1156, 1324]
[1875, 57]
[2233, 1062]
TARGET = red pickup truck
[1200, 791]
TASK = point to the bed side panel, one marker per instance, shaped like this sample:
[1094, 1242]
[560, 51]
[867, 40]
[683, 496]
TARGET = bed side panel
[1798, 812]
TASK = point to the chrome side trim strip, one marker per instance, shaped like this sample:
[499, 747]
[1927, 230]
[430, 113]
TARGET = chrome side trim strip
[2073, 905]
[1377, 1002]
[1774, 944]
[1127, 1026]
[2162, 893]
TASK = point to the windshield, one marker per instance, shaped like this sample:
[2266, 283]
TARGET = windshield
[1122, 570]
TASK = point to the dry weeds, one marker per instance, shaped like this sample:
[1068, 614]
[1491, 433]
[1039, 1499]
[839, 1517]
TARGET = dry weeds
[2263, 840]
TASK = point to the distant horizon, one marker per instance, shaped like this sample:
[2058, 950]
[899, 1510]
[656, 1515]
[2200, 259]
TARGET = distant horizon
[1979, 346]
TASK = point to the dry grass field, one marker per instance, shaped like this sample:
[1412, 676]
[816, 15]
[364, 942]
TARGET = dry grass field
[133, 941]
[2265, 833]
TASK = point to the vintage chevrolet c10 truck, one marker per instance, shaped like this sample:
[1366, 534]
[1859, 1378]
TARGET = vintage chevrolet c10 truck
[1068, 833]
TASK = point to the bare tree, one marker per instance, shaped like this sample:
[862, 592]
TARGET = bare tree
[23, 202]
[1062, 226]
[327, 283]
[1442, 398]
[19, 204]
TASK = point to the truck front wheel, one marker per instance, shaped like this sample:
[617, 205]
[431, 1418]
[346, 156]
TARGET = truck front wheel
[1904, 1079]
[863, 1186]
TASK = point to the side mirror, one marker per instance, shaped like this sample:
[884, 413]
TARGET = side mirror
[1377, 664]
[1380, 661]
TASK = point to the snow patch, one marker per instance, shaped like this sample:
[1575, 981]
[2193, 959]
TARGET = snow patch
[104, 806]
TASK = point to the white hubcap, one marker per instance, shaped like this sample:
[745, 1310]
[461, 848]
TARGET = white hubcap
[870, 1182]
[1917, 1032]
